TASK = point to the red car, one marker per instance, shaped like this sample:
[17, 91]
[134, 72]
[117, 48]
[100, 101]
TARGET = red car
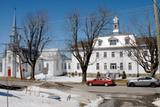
[101, 81]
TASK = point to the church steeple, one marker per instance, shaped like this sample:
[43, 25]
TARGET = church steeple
[14, 34]
[115, 25]
[14, 43]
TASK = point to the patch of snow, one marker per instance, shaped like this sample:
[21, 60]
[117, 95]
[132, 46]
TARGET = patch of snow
[157, 102]
[76, 79]
[95, 103]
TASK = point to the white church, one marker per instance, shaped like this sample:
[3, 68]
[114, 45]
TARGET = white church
[50, 59]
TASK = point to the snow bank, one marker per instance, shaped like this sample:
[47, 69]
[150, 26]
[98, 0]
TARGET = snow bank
[75, 79]
[32, 99]
[157, 102]
[95, 103]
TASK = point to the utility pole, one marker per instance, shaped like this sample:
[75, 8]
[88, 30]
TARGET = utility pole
[155, 5]
[6, 70]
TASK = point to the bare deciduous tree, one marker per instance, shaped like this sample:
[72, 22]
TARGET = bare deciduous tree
[145, 52]
[80, 47]
[34, 40]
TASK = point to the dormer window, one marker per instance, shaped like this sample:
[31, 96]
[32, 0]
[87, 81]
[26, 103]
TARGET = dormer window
[113, 40]
[99, 42]
[127, 39]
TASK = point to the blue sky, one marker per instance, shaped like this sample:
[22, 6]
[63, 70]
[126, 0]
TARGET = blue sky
[58, 9]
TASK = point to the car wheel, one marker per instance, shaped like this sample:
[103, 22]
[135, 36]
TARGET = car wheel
[106, 84]
[153, 85]
[90, 84]
[132, 84]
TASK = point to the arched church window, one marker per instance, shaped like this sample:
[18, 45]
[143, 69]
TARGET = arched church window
[115, 27]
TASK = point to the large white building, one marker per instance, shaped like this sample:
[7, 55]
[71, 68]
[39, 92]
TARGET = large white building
[110, 55]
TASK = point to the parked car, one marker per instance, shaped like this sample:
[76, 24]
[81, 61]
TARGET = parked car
[101, 81]
[143, 81]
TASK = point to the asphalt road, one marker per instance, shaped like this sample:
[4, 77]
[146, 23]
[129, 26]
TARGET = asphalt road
[96, 89]
[121, 96]
[116, 89]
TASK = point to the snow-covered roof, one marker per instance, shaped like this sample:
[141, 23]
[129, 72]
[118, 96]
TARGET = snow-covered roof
[50, 53]
[121, 39]
[51, 49]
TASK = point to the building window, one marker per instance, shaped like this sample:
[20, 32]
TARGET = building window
[97, 54]
[121, 66]
[62, 65]
[39, 67]
[105, 54]
[115, 27]
[145, 53]
[78, 66]
[113, 42]
[65, 66]
[69, 66]
[129, 54]
[113, 54]
[121, 54]
[97, 66]
[127, 41]
[113, 66]
[99, 42]
[57, 65]
[105, 66]
[129, 66]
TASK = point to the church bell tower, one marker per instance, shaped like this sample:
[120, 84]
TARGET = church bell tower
[115, 25]
[14, 42]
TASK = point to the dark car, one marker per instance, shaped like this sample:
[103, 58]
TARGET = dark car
[101, 81]
[144, 81]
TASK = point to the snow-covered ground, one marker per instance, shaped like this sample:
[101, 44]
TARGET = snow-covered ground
[60, 78]
[40, 97]
[35, 96]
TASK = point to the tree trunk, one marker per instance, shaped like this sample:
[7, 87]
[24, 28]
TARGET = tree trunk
[153, 73]
[32, 73]
[20, 67]
[21, 71]
[84, 74]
